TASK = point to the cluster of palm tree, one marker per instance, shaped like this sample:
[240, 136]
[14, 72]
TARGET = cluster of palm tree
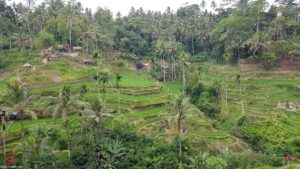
[57, 106]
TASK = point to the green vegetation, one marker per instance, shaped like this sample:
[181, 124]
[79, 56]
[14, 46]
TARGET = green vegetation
[190, 88]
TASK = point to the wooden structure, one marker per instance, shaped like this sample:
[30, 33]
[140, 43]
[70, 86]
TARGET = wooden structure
[27, 66]
[77, 49]
[62, 48]
[88, 60]
[53, 57]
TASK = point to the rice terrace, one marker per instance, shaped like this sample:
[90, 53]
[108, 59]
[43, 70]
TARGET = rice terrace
[206, 85]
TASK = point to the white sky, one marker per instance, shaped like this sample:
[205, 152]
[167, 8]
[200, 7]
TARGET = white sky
[124, 6]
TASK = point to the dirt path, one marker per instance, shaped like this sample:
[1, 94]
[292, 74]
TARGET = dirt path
[43, 85]
[56, 78]
[4, 75]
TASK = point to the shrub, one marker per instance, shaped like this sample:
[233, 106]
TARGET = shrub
[268, 59]
[44, 39]
[243, 120]
[215, 163]
[244, 160]
[206, 99]
[199, 58]
[62, 144]
[79, 158]
[157, 73]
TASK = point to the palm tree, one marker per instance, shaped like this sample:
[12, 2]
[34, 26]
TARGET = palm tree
[258, 42]
[21, 40]
[61, 104]
[182, 107]
[3, 135]
[83, 89]
[19, 97]
[114, 151]
[183, 60]
[65, 101]
[87, 37]
[227, 58]
[295, 48]
[38, 146]
[103, 78]
[118, 80]
[178, 107]
[160, 49]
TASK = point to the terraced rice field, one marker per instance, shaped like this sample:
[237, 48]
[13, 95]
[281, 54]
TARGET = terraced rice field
[146, 104]
[257, 95]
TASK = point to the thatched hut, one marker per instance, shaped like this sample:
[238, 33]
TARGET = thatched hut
[62, 48]
[77, 49]
[88, 60]
[27, 66]
[53, 57]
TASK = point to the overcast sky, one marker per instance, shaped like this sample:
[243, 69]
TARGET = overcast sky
[124, 6]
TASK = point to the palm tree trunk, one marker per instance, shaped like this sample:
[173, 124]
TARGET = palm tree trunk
[2, 44]
[119, 100]
[164, 68]
[3, 141]
[104, 108]
[69, 139]
[193, 48]
[226, 88]
[257, 24]
[183, 78]
[179, 133]
[243, 108]
[66, 121]
[22, 137]
[70, 37]
[172, 69]
[179, 139]
[175, 69]
[10, 46]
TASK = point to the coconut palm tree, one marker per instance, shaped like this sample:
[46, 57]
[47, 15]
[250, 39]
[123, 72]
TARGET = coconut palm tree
[21, 40]
[118, 80]
[19, 98]
[182, 108]
[184, 62]
[88, 37]
[227, 57]
[103, 77]
[160, 49]
[115, 150]
[178, 107]
[37, 147]
[295, 48]
[61, 105]
[3, 135]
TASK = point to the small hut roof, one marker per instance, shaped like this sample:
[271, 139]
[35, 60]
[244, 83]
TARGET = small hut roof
[60, 46]
[87, 59]
[27, 65]
[53, 56]
[77, 48]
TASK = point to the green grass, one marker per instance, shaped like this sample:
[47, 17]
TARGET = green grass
[15, 126]
[174, 87]
[134, 79]
[130, 79]
[147, 112]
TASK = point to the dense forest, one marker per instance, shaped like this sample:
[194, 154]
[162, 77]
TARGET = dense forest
[208, 86]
